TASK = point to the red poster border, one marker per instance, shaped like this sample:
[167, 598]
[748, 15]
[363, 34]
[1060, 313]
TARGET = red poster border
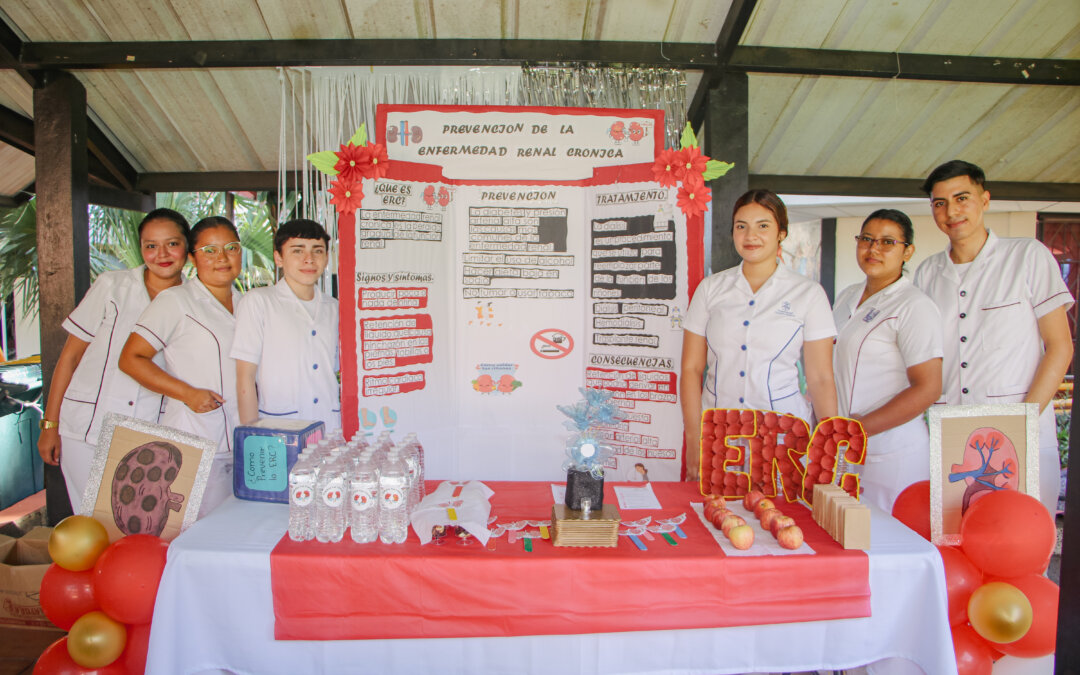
[410, 171]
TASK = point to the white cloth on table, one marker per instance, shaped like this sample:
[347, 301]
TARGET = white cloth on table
[990, 316]
[754, 340]
[877, 341]
[214, 612]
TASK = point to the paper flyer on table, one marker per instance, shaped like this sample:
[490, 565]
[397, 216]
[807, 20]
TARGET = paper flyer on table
[631, 498]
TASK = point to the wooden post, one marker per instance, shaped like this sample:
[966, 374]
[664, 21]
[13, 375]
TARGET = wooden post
[63, 242]
[828, 257]
[726, 129]
[1067, 659]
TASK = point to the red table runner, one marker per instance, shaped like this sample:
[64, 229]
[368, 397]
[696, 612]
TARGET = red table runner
[348, 591]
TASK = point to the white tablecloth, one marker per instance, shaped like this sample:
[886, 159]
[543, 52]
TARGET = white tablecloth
[214, 613]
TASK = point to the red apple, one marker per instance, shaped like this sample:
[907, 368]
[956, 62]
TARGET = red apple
[764, 503]
[779, 523]
[790, 537]
[741, 536]
[718, 517]
[730, 521]
[752, 498]
[768, 516]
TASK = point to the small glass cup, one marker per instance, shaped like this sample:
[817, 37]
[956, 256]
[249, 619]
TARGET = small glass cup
[464, 536]
[586, 509]
[438, 534]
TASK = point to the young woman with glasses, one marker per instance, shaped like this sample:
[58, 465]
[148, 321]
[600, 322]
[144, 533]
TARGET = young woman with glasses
[192, 326]
[887, 358]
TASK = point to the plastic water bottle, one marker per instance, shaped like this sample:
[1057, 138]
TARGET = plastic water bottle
[364, 502]
[302, 500]
[330, 501]
[411, 458]
[421, 491]
[393, 500]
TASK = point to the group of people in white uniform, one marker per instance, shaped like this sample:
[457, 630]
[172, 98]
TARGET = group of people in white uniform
[193, 354]
[980, 322]
[983, 321]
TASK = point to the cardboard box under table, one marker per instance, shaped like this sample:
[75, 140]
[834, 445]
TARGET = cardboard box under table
[23, 563]
[411, 591]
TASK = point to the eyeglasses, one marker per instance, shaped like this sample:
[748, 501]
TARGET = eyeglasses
[213, 249]
[885, 243]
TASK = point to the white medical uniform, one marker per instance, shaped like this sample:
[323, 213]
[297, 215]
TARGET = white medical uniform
[194, 332]
[103, 319]
[296, 353]
[754, 340]
[894, 329]
[990, 314]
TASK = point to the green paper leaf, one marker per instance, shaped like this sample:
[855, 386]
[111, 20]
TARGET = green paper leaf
[688, 138]
[715, 169]
[324, 161]
[359, 139]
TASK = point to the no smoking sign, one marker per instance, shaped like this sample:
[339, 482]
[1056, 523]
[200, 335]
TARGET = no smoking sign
[552, 343]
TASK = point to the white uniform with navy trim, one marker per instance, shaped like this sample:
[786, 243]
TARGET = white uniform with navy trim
[896, 328]
[194, 332]
[754, 340]
[990, 315]
[296, 354]
[103, 319]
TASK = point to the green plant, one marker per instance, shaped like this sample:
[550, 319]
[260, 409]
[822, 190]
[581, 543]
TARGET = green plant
[18, 255]
[1064, 426]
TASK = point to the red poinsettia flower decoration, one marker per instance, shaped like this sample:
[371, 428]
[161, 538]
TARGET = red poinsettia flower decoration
[693, 196]
[665, 166]
[347, 195]
[375, 161]
[350, 164]
[690, 163]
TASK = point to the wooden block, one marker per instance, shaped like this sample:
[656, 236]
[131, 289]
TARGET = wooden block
[855, 526]
[569, 528]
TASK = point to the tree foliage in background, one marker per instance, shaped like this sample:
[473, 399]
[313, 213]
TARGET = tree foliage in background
[114, 240]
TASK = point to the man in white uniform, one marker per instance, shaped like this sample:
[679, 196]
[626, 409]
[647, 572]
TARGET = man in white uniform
[286, 342]
[1003, 303]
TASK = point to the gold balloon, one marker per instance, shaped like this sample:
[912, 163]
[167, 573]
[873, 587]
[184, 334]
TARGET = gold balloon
[96, 640]
[76, 542]
[1000, 612]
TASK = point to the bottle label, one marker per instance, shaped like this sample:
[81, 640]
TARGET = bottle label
[362, 499]
[302, 495]
[332, 494]
[392, 498]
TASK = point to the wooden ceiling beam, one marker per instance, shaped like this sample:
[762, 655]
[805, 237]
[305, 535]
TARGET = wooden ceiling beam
[738, 17]
[940, 67]
[908, 187]
[690, 56]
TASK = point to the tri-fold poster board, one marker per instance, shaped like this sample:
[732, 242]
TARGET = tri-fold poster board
[509, 257]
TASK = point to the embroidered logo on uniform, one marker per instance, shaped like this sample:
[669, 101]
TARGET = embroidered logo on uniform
[870, 315]
[785, 309]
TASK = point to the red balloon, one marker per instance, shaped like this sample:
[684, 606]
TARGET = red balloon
[961, 580]
[973, 655]
[56, 660]
[134, 656]
[66, 595]
[912, 508]
[1041, 638]
[1008, 534]
[126, 577]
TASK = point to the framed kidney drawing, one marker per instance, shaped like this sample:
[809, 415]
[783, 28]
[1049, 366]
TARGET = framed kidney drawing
[146, 478]
[975, 450]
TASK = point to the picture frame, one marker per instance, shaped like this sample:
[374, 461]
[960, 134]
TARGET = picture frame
[146, 478]
[975, 449]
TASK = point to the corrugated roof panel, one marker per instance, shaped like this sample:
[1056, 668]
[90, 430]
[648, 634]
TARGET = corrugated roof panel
[15, 93]
[18, 170]
[125, 20]
[696, 20]
[548, 19]
[774, 23]
[291, 20]
[482, 19]
[390, 19]
[613, 20]
[55, 20]
[223, 19]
